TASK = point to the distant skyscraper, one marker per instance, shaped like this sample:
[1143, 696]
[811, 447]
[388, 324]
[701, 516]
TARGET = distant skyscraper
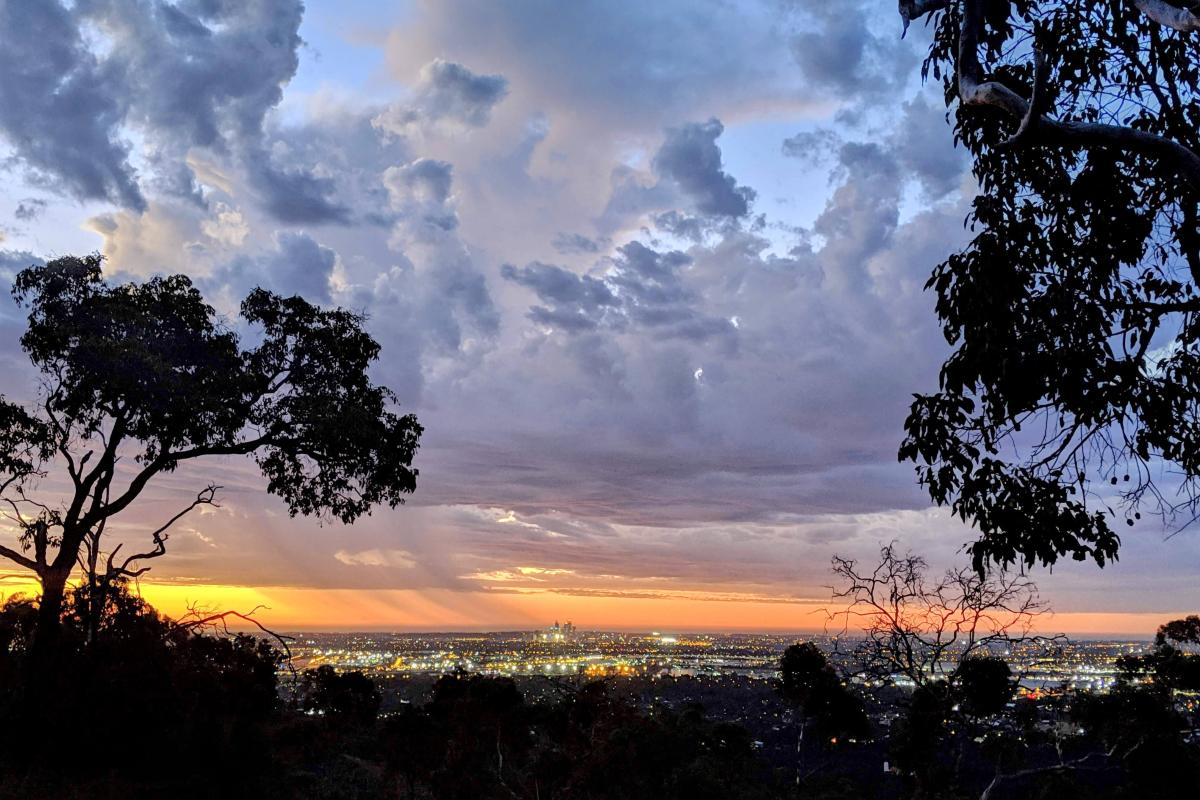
[557, 633]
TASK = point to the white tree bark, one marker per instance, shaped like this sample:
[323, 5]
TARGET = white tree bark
[1172, 16]
[974, 91]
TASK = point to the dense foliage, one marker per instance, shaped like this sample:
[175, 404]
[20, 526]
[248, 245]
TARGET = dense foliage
[1072, 398]
[154, 707]
[146, 375]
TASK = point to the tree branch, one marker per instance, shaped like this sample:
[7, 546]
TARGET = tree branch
[915, 9]
[1063, 766]
[197, 619]
[974, 91]
[165, 460]
[24, 561]
[204, 497]
[1031, 119]
[1169, 15]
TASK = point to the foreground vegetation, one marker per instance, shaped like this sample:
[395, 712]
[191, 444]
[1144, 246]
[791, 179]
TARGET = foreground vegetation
[150, 707]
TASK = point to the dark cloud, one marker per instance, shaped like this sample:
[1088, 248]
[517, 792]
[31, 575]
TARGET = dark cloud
[832, 334]
[203, 74]
[13, 261]
[639, 287]
[689, 156]
[295, 195]
[924, 145]
[12, 322]
[682, 226]
[812, 147]
[297, 266]
[579, 301]
[842, 55]
[61, 107]
[29, 209]
[688, 173]
[199, 74]
[448, 95]
[575, 243]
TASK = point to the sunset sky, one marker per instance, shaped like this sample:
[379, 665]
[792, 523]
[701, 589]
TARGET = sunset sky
[650, 275]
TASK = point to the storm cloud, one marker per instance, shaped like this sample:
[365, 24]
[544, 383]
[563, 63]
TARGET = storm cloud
[651, 275]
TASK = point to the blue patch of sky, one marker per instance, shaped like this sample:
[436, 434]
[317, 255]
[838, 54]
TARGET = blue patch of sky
[344, 53]
[790, 191]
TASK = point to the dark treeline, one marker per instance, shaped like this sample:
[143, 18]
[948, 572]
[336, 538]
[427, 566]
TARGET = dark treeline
[143, 706]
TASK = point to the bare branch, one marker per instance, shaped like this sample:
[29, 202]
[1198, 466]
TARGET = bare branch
[922, 628]
[205, 497]
[198, 620]
[1078, 764]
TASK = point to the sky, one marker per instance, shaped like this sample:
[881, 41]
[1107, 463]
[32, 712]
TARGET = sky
[650, 275]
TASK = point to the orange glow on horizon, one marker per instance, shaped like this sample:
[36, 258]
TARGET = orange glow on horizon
[295, 608]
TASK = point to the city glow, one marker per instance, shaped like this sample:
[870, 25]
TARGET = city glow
[293, 608]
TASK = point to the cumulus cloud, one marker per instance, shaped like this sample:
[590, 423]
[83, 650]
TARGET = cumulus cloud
[687, 172]
[689, 157]
[420, 194]
[629, 365]
[920, 145]
[841, 53]
[579, 302]
[742, 340]
[80, 79]
[639, 287]
[449, 97]
[298, 265]
[435, 293]
[60, 107]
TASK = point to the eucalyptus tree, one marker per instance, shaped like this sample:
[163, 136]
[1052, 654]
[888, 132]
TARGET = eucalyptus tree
[1071, 401]
[139, 379]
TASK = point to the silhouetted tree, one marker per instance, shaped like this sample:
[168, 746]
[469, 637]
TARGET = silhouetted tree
[1073, 312]
[1127, 740]
[145, 375]
[983, 685]
[349, 695]
[917, 738]
[937, 634]
[477, 739]
[813, 688]
[1174, 663]
[138, 703]
[925, 628]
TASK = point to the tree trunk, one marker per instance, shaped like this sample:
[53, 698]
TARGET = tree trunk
[800, 750]
[43, 679]
[54, 587]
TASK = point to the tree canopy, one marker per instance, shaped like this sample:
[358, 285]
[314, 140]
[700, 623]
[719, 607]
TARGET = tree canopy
[1071, 399]
[148, 373]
